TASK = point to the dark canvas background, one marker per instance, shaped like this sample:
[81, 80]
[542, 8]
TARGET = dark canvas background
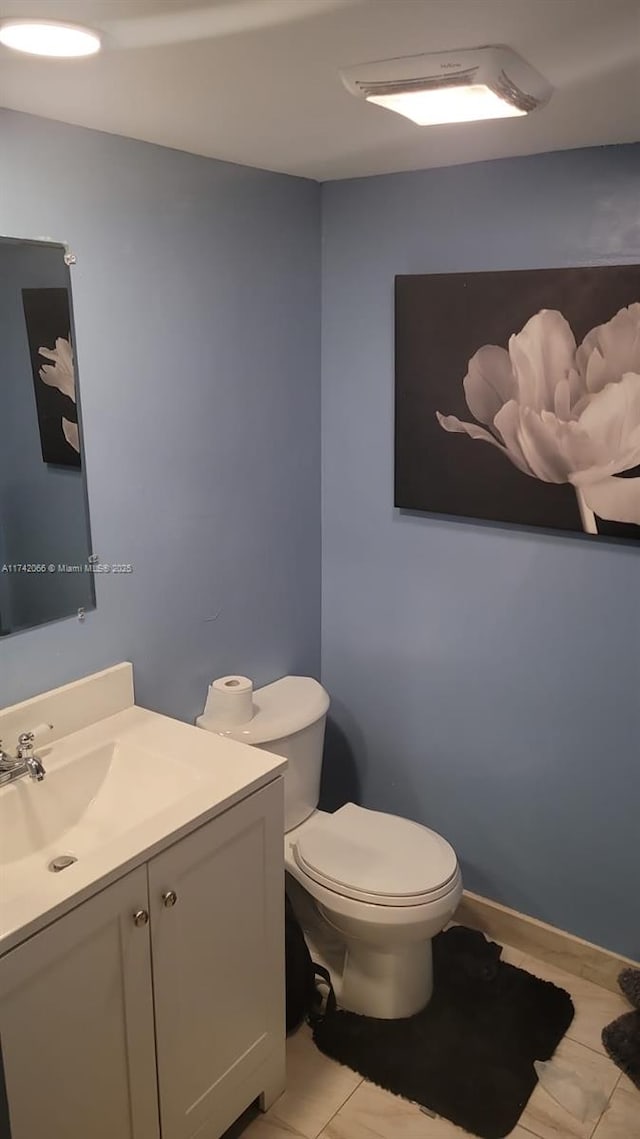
[47, 315]
[441, 321]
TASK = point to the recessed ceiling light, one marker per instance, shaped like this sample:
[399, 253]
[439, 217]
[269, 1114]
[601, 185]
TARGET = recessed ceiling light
[48, 37]
[451, 87]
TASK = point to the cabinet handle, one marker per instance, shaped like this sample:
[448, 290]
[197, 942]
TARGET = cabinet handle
[141, 917]
[169, 899]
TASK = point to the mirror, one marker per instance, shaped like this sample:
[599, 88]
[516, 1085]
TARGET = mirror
[45, 542]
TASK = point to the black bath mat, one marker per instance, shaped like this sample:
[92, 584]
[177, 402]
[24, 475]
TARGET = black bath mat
[469, 1055]
[621, 1039]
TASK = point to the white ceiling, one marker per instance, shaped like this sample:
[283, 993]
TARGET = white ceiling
[256, 81]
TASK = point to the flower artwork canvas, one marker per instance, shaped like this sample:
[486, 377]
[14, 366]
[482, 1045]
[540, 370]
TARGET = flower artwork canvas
[518, 397]
[48, 322]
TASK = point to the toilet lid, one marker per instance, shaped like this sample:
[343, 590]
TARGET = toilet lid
[376, 857]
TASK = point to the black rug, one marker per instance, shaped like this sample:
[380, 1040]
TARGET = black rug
[469, 1055]
[621, 1039]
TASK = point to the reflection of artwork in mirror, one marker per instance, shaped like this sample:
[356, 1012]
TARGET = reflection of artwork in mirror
[45, 543]
[48, 321]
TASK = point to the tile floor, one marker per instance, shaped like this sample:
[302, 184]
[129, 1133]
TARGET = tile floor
[325, 1100]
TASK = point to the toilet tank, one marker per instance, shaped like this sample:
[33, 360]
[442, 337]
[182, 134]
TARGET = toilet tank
[289, 719]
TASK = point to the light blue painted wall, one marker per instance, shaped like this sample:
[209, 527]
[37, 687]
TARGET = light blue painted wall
[42, 507]
[487, 681]
[196, 298]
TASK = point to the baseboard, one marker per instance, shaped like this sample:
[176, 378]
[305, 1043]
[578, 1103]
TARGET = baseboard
[564, 950]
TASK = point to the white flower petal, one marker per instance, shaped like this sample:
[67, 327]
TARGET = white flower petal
[612, 417]
[617, 500]
[71, 434]
[60, 374]
[552, 448]
[577, 390]
[542, 355]
[609, 350]
[539, 451]
[578, 450]
[489, 382]
[562, 400]
[452, 423]
[507, 423]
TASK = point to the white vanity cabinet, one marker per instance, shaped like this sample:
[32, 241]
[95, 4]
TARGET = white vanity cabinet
[76, 1023]
[217, 943]
[155, 1010]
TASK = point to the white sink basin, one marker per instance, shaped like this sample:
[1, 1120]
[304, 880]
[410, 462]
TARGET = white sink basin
[116, 791]
[85, 801]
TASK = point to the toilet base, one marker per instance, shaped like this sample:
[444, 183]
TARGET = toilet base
[382, 956]
[387, 985]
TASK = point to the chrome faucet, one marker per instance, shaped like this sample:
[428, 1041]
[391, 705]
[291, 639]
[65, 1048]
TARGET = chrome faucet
[24, 762]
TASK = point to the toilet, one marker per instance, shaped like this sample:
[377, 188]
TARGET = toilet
[385, 884]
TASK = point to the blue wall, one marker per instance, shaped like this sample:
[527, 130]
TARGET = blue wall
[42, 507]
[196, 297]
[487, 681]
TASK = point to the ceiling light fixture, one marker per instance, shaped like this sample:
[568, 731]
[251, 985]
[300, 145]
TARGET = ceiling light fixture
[49, 37]
[451, 87]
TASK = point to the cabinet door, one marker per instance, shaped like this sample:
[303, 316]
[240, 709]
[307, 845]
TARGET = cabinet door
[218, 967]
[76, 1023]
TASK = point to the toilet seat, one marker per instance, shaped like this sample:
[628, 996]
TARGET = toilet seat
[374, 857]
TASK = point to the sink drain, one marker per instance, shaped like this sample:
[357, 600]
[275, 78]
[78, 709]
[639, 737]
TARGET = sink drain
[61, 862]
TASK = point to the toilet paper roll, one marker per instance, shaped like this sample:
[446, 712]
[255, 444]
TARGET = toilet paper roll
[229, 701]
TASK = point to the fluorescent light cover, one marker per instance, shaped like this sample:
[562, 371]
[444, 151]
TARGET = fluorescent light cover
[43, 37]
[464, 104]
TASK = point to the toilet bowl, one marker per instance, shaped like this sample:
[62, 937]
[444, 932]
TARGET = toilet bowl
[385, 884]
